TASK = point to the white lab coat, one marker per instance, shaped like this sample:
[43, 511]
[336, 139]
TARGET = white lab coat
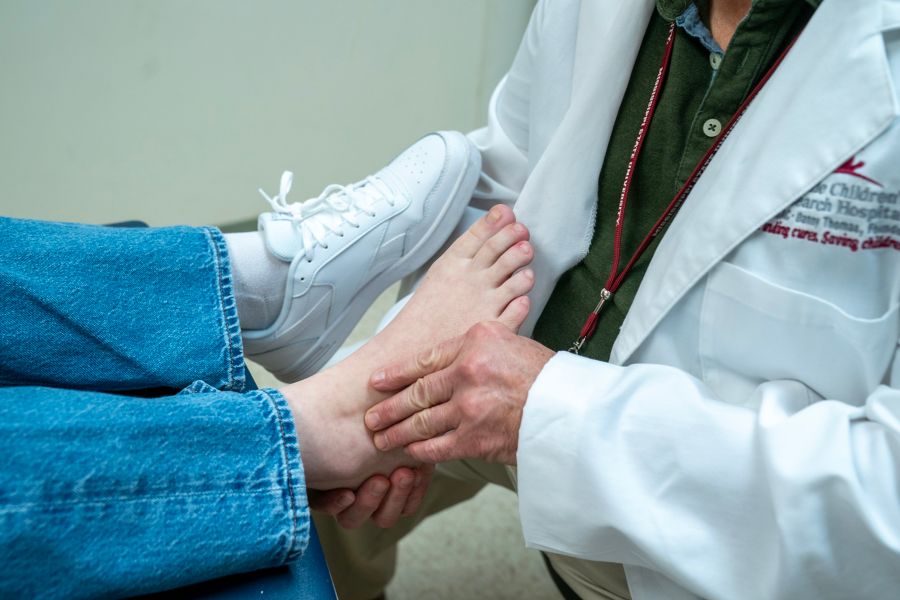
[744, 441]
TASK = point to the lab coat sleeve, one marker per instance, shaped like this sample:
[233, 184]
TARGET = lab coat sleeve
[643, 465]
[504, 142]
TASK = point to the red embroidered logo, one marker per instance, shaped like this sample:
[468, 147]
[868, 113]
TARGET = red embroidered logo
[852, 168]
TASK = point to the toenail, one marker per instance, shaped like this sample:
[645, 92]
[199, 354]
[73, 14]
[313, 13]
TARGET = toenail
[525, 247]
[519, 228]
[528, 273]
[493, 215]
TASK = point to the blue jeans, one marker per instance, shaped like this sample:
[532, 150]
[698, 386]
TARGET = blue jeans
[136, 454]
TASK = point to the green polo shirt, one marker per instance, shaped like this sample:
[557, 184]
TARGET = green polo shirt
[702, 92]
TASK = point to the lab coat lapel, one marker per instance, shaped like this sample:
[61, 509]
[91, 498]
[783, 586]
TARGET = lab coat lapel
[559, 200]
[831, 96]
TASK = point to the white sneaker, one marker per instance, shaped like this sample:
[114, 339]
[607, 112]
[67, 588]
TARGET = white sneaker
[349, 244]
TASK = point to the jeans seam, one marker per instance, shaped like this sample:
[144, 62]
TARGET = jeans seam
[7, 507]
[299, 534]
[228, 308]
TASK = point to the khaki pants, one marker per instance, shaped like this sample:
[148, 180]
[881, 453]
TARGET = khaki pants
[362, 561]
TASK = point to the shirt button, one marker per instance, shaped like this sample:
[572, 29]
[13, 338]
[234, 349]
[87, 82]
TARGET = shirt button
[715, 60]
[712, 127]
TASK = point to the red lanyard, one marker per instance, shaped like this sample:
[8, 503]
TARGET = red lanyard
[615, 275]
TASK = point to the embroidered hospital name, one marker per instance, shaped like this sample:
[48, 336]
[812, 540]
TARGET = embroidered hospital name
[854, 216]
[831, 239]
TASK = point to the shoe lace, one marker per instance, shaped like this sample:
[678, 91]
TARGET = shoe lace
[336, 207]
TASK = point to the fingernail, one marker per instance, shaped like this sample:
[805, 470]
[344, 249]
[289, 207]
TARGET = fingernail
[372, 420]
[405, 483]
[380, 441]
[345, 501]
[493, 215]
[379, 487]
[378, 377]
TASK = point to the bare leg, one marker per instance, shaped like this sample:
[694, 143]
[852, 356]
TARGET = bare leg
[477, 279]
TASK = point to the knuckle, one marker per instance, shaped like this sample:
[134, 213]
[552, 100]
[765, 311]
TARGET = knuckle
[426, 361]
[418, 394]
[470, 406]
[475, 367]
[421, 423]
[480, 329]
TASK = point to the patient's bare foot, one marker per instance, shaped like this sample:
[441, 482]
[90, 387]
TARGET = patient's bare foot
[479, 278]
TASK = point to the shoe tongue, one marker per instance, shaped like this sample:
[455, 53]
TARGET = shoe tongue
[282, 238]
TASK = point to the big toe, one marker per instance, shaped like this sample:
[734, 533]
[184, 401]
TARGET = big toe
[483, 230]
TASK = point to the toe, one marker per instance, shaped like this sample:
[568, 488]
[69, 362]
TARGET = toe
[518, 285]
[483, 230]
[499, 243]
[514, 314]
[519, 255]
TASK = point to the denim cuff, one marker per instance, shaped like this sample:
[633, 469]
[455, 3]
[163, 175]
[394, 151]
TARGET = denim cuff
[231, 327]
[291, 474]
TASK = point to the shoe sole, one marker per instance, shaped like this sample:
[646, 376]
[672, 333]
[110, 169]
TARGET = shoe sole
[431, 241]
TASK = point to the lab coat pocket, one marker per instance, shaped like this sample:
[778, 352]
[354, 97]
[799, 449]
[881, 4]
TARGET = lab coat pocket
[752, 331]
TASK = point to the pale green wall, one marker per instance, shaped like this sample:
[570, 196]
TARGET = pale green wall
[176, 111]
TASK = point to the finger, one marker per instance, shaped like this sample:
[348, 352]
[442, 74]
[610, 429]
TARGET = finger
[368, 498]
[399, 375]
[517, 256]
[425, 393]
[422, 425]
[331, 502]
[439, 449]
[515, 313]
[499, 243]
[388, 513]
[424, 474]
[481, 231]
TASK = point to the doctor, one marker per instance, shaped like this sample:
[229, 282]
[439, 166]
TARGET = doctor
[724, 179]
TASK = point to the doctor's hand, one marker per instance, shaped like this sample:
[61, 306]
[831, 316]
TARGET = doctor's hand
[464, 398]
